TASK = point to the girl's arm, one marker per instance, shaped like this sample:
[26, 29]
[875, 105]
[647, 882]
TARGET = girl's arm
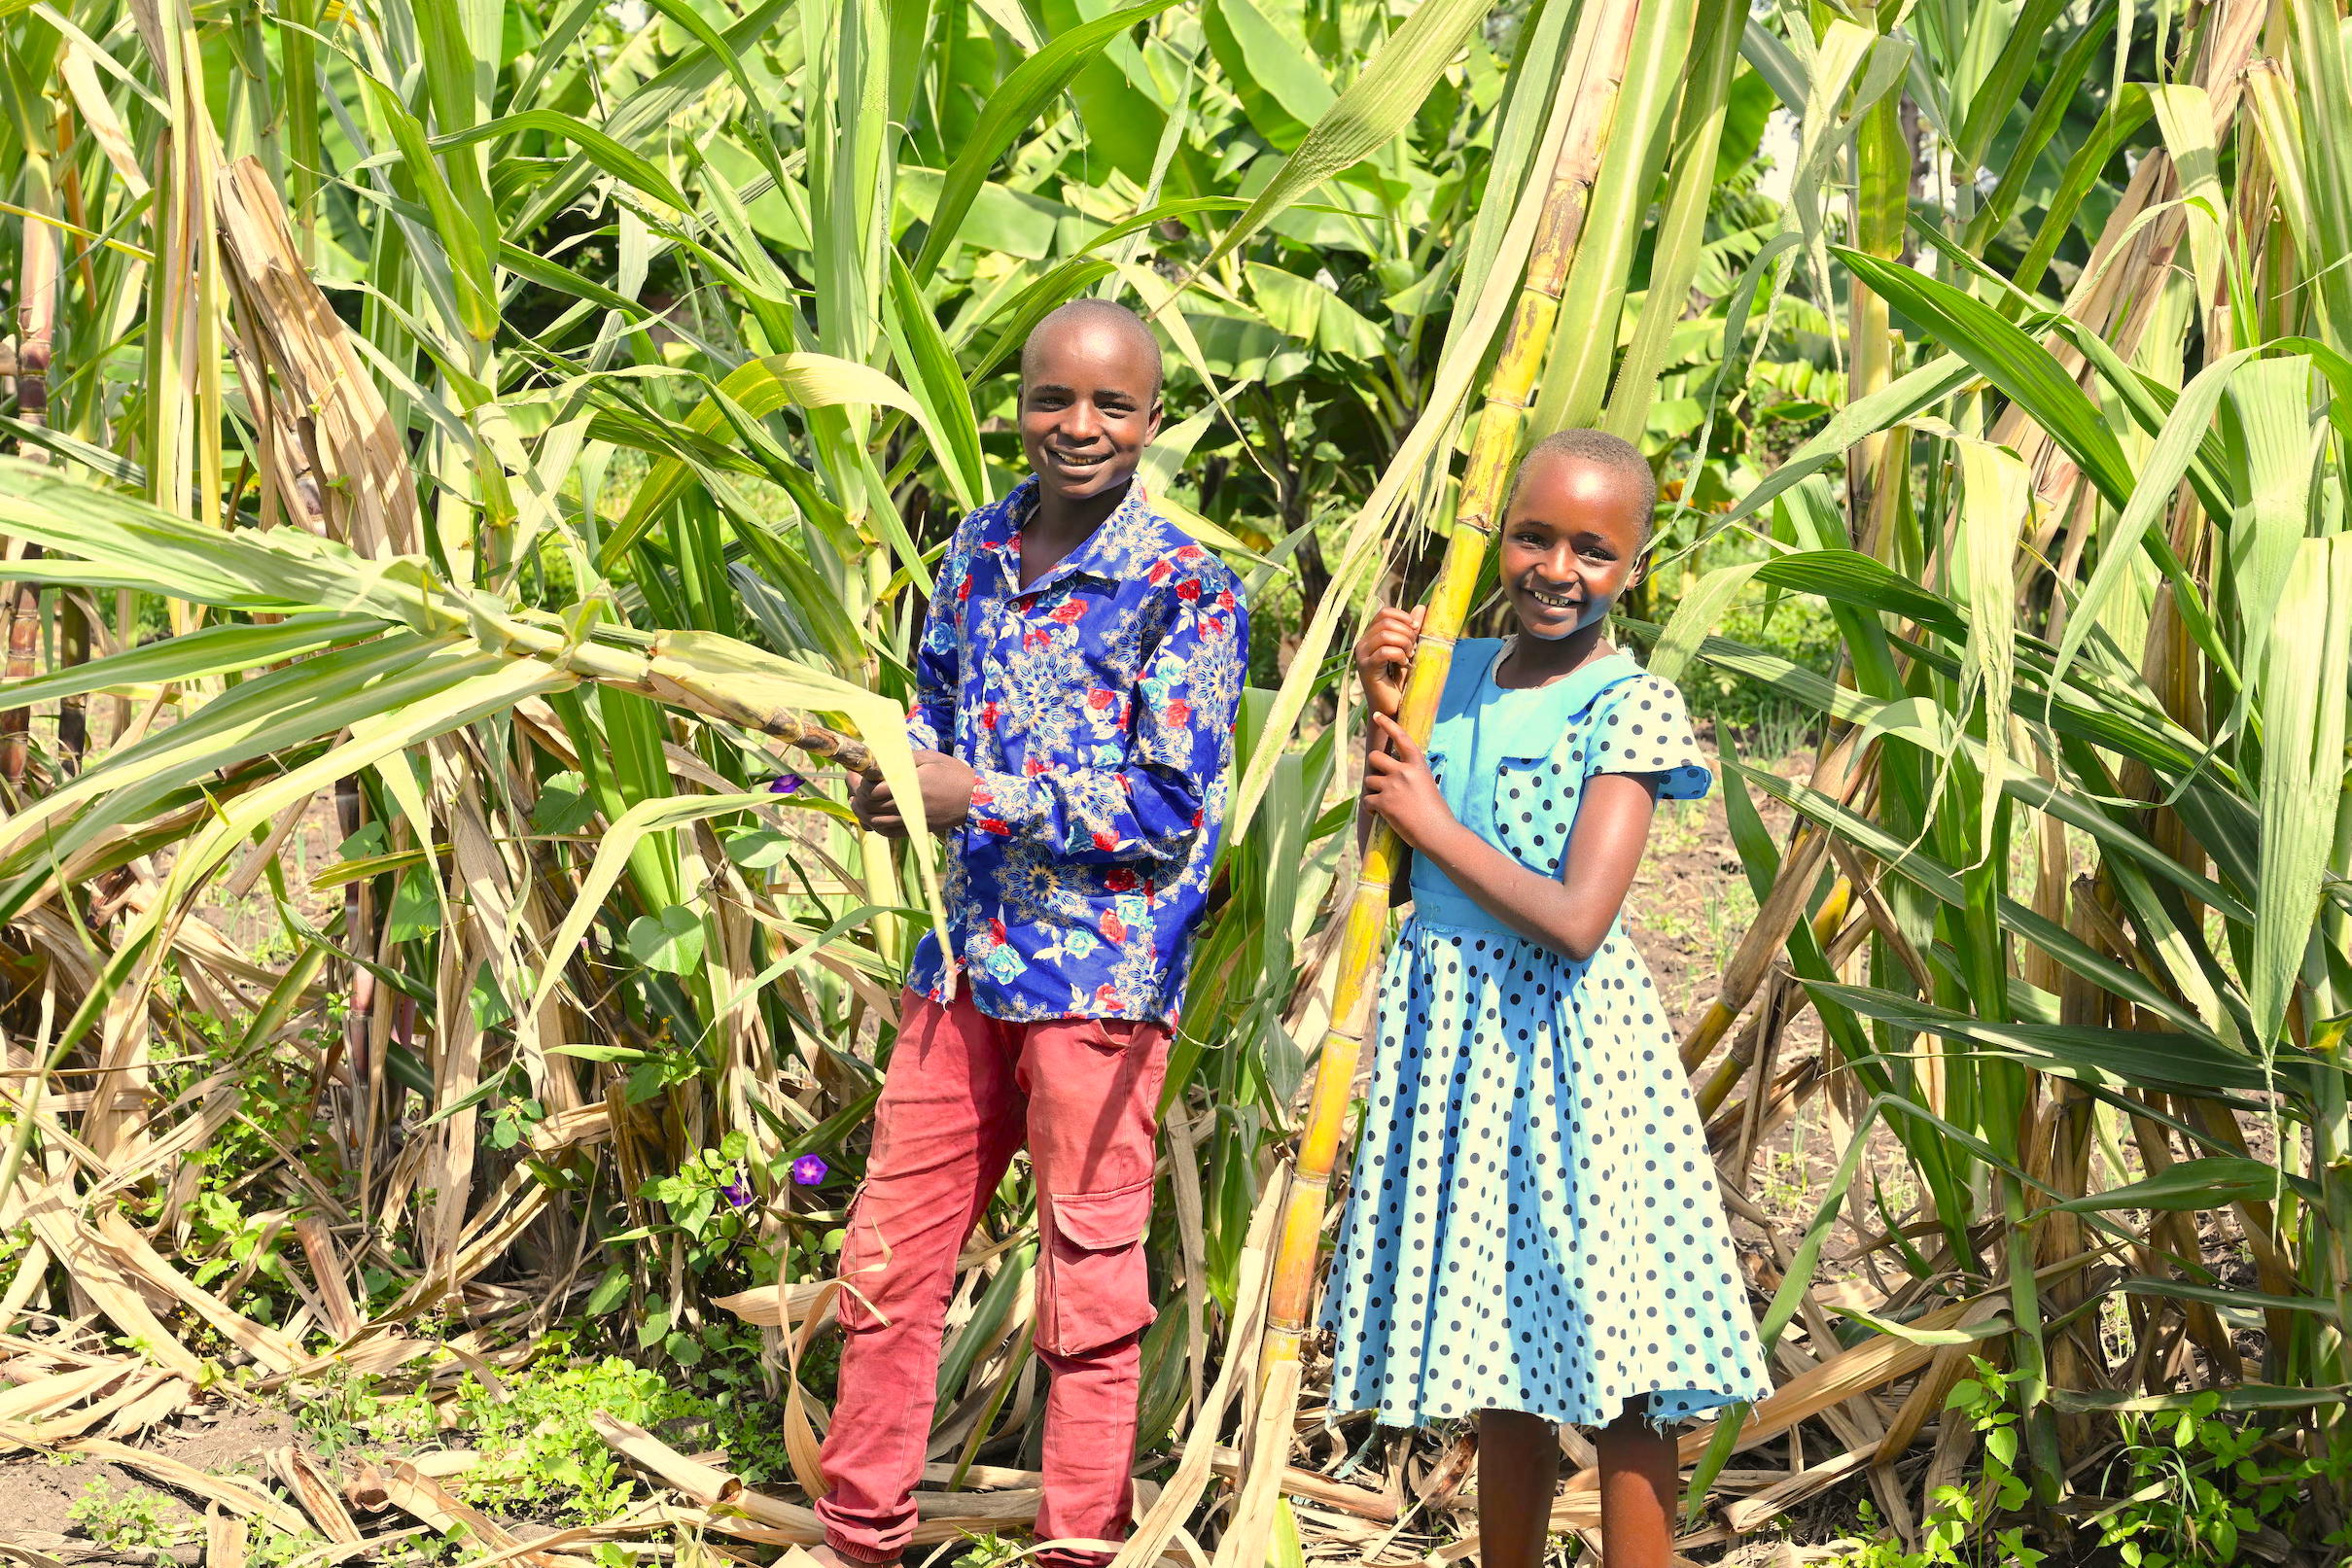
[1384, 655]
[1570, 914]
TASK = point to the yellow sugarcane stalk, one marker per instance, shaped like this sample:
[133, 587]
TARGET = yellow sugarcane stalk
[1595, 69]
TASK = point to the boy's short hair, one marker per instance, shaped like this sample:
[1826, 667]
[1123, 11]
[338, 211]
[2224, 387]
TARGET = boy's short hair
[1107, 312]
[1614, 453]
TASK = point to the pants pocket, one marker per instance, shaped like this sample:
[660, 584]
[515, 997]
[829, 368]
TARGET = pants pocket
[1096, 1285]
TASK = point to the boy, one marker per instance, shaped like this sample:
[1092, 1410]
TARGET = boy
[1080, 670]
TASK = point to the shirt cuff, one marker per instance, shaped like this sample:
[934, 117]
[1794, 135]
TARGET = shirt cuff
[1003, 803]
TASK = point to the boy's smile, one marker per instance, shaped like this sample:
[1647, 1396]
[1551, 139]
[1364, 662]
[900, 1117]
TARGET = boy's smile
[1573, 543]
[1089, 405]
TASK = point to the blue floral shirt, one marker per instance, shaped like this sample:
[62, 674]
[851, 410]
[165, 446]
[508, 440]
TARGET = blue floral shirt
[1097, 706]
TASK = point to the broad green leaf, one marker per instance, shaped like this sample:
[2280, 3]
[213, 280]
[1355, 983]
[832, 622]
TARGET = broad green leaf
[1306, 309]
[669, 940]
[1283, 89]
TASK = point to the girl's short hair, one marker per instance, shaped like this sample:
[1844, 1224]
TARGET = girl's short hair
[1613, 453]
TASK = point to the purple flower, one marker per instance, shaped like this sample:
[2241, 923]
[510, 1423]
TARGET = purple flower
[738, 1190]
[786, 783]
[808, 1171]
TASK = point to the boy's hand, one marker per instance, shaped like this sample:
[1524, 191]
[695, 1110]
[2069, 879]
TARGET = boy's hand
[1398, 786]
[947, 796]
[1383, 654]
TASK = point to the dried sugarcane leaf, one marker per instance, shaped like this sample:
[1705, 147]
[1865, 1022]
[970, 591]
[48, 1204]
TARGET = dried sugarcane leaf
[422, 1497]
[224, 1540]
[300, 1474]
[139, 1259]
[95, 1273]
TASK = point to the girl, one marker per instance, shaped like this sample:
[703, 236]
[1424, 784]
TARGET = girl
[1533, 1232]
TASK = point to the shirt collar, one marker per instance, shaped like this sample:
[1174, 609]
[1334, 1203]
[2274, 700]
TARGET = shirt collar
[1110, 554]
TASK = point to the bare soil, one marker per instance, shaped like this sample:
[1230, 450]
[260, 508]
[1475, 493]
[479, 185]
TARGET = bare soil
[36, 1491]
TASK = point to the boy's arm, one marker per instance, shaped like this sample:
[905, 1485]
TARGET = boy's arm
[930, 721]
[1180, 740]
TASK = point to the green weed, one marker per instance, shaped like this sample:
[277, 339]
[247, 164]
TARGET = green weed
[541, 1455]
[120, 1521]
[2188, 1487]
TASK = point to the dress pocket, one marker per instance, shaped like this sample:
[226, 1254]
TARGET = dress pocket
[1096, 1284]
[1535, 801]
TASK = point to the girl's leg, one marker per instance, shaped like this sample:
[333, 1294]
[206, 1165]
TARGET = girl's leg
[1640, 1484]
[1518, 1474]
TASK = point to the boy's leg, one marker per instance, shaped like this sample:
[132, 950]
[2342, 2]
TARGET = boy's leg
[947, 1123]
[1094, 1093]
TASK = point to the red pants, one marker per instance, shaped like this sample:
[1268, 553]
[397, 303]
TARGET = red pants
[963, 1091]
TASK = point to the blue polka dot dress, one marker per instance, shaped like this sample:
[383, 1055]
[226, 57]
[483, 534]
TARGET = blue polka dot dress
[1533, 1223]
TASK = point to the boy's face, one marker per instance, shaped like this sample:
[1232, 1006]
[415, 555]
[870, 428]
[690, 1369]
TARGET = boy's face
[1087, 407]
[1572, 543]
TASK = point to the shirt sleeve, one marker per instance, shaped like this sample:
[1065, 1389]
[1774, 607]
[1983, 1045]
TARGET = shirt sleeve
[1647, 731]
[931, 723]
[1179, 738]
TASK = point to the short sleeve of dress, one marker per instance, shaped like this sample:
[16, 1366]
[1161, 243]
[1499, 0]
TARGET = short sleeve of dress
[1643, 727]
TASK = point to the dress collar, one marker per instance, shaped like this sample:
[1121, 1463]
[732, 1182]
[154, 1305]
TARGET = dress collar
[1577, 688]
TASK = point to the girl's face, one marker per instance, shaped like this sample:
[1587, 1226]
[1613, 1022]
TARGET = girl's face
[1572, 543]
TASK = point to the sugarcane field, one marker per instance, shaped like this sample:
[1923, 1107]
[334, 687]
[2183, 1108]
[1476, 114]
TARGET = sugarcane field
[1176, 784]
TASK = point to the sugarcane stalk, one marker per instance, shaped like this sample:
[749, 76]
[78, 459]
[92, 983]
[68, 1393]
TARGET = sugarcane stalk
[36, 333]
[1598, 66]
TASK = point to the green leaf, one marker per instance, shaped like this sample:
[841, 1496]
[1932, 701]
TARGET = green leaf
[594, 145]
[1999, 349]
[564, 804]
[2303, 683]
[1017, 102]
[929, 365]
[2191, 1184]
[1395, 82]
[1282, 88]
[2247, 1301]
[669, 940]
[416, 907]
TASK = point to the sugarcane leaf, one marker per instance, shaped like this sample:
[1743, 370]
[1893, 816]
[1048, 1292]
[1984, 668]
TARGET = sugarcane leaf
[2176, 447]
[2135, 1058]
[930, 365]
[2303, 682]
[1014, 104]
[209, 650]
[2240, 1397]
[2000, 351]
[1891, 404]
[1376, 106]
[594, 145]
[2216, 1182]
[760, 387]
[2243, 1301]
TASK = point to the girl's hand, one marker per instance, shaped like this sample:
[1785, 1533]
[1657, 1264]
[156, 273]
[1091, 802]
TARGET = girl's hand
[1398, 786]
[1383, 654]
